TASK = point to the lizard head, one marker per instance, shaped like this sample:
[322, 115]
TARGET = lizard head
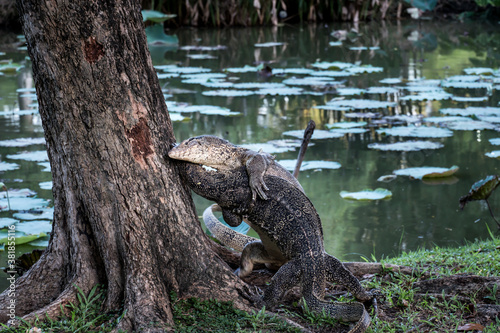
[207, 150]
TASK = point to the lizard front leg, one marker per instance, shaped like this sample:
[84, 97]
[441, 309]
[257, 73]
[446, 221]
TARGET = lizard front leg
[257, 166]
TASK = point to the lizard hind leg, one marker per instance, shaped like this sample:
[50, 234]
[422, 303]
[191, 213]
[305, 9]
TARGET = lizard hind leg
[254, 253]
[287, 277]
[336, 272]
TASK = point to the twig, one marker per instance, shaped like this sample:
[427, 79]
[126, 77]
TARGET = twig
[305, 142]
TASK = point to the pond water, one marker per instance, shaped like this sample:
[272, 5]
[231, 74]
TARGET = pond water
[432, 84]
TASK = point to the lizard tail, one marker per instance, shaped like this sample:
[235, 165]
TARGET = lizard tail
[224, 234]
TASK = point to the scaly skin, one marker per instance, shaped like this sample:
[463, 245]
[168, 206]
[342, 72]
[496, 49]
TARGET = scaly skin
[291, 232]
[221, 154]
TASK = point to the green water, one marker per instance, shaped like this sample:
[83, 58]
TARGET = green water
[420, 214]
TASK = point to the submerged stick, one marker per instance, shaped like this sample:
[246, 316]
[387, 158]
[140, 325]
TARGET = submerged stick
[303, 147]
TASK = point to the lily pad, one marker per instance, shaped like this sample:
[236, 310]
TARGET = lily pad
[46, 185]
[440, 120]
[479, 71]
[480, 190]
[228, 93]
[470, 125]
[428, 96]
[35, 214]
[382, 90]
[4, 166]
[34, 228]
[472, 111]
[386, 178]
[156, 36]
[201, 56]
[317, 135]
[155, 16]
[274, 146]
[495, 141]
[300, 71]
[203, 48]
[245, 69]
[416, 131]
[368, 194]
[258, 85]
[493, 154]
[46, 166]
[332, 65]
[466, 85]
[365, 69]
[406, 146]
[310, 165]
[310, 81]
[391, 81]
[281, 91]
[331, 73]
[22, 142]
[346, 124]
[269, 44]
[358, 104]
[24, 239]
[6, 221]
[350, 91]
[37, 156]
[426, 172]
[23, 203]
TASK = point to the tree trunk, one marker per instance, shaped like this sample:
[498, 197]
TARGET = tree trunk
[122, 217]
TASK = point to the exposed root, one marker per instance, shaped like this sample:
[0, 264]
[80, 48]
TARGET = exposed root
[54, 309]
[362, 268]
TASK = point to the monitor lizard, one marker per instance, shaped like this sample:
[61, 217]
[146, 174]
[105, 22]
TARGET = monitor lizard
[291, 235]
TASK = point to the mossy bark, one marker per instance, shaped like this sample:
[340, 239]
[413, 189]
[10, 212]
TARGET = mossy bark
[122, 217]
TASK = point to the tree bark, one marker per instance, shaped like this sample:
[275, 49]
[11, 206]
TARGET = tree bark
[122, 217]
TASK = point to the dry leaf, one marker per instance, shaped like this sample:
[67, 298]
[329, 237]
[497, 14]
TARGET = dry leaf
[471, 327]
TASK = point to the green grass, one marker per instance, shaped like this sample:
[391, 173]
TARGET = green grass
[401, 307]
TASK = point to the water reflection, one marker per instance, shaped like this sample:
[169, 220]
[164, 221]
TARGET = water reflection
[420, 213]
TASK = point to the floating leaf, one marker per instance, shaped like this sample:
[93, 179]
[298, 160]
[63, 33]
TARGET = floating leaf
[391, 81]
[269, 44]
[37, 156]
[156, 36]
[310, 81]
[495, 141]
[24, 239]
[45, 165]
[350, 91]
[426, 172]
[364, 69]
[258, 85]
[155, 16]
[203, 48]
[470, 125]
[493, 154]
[280, 91]
[469, 99]
[446, 119]
[479, 71]
[417, 132]
[331, 73]
[22, 142]
[382, 90]
[274, 146]
[359, 104]
[317, 135]
[466, 85]
[6, 221]
[228, 93]
[472, 111]
[346, 124]
[406, 146]
[310, 165]
[245, 69]
[368, 194]
[480, 190]
[4, 166]
[304, 71]
[386, 178]
[200, 56]
[332, 65]
[35, 214]
[36, 227]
